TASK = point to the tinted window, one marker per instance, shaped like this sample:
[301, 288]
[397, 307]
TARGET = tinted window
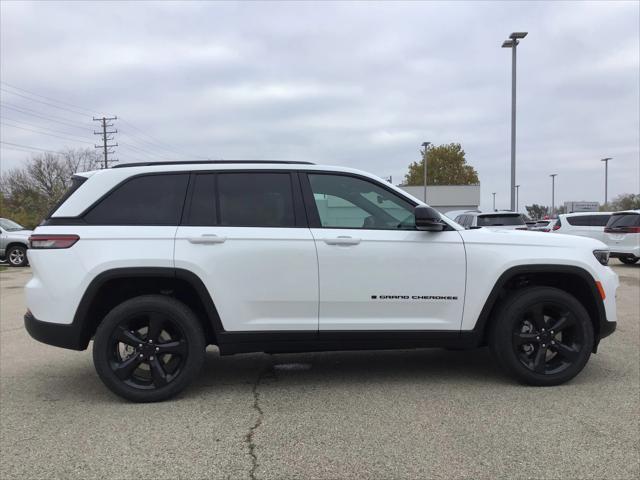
[350, 202]
[147, 200]
[255, 200]
[499, 220]
[203, 201]
[600, 220]
[580, 221]
[624, 220]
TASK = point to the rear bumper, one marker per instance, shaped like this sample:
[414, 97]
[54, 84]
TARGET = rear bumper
[56, 334]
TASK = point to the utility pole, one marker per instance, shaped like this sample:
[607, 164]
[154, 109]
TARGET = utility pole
[512, 43]
[517, 198]
[606, 177]
[426, 150]
[553, 193]
[106, 138]
[494, 201]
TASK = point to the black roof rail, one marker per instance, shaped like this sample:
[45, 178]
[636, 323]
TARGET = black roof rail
[196, 162]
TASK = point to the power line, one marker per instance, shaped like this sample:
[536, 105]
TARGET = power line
[50, 118]
[45, 133]
[163, 145]
[43, 128]
[42, 101]
[27, 147]
[89, 112]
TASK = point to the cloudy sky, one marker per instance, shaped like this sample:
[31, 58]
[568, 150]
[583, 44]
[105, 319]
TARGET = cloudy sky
[356, 84]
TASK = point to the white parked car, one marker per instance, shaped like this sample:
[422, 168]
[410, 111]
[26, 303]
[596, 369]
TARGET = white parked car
[156, 261]
[500, 220]
[584, 224]
[622, 235]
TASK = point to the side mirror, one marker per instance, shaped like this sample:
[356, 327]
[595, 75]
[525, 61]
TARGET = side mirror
[428, 219]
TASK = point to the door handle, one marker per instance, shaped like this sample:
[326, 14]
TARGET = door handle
[207, 238]
[342, 241]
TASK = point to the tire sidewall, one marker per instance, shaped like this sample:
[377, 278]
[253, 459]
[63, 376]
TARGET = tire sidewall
[184, 318]
[511, 312]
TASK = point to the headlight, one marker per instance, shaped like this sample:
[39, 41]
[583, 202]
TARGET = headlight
[602, 256]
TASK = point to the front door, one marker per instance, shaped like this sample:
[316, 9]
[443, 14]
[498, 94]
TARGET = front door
[377, 272]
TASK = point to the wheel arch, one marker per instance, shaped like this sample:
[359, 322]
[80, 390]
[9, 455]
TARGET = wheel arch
[114, 286]
[574, 280]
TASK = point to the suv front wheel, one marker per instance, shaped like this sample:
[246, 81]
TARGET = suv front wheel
[149, 348]
[542, 336]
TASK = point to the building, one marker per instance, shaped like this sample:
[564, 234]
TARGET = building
[445, 198]
[582, 206]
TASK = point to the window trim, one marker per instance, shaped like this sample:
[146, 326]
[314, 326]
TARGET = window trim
[312, 209]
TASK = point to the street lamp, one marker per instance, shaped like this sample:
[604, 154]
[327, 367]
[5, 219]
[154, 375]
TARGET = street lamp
[512, 43]
[494, 201]
[424, 154]
[517, 198]
[606, 176]
[553, 192]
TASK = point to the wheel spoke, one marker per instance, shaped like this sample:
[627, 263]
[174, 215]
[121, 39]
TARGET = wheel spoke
[569, 353]
[537, 316]
[566, 320]
[178, 347]
[125, 369]
[158, 373]
[155, 326]
[126, 336]
[540, 361]
[520, 338]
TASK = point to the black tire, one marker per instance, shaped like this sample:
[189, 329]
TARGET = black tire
[16, 256]
[124, 343]
[542, 336]
[629, 260]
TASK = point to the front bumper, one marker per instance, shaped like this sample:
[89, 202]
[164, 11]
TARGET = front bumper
[56, 334]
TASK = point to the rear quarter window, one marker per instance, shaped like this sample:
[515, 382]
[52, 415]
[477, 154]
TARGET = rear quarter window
[624, 220]
[144, 200]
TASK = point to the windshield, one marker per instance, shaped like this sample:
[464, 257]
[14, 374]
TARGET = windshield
[9, 225]
[499, 220]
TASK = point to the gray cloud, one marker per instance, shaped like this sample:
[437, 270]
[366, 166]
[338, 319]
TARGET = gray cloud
[355, 84]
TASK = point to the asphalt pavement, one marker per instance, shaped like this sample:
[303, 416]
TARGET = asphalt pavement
[391, 414]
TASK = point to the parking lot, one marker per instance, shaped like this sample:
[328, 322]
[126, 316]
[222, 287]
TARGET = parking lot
[391, 414]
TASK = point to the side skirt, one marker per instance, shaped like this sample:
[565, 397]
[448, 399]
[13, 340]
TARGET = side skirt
[301, 341]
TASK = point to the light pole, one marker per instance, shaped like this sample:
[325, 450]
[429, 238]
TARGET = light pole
[553, 193]
[512, 43]
[517, 197]
[494, 201]
[606, 177]
[426, 149]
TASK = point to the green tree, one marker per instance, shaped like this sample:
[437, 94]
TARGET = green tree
[625, 201]
[28, 193]
[536, 212]
[446, 165]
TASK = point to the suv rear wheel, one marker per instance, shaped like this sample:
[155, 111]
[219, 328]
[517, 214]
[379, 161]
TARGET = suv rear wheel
[542, 336]
[629, 260]
[149, 348]
[17, 256]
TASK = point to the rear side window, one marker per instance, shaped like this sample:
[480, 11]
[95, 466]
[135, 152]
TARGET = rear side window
[499, 220]
[203, 211]
[580, 221]
[624, 220]
[144, 200]
[255, 200]
[599, 220]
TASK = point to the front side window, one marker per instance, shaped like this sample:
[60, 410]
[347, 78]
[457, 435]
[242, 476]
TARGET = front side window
[349, 202]
[144, 200]
[255, 200]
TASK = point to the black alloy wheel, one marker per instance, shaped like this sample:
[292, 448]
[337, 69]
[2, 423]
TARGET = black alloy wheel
[542, 336]
[629, 260]
[149, 348]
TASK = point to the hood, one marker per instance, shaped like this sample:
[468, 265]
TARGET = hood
[529, 237]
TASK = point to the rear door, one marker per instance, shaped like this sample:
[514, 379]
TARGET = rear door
[377, 272]
[245, 234]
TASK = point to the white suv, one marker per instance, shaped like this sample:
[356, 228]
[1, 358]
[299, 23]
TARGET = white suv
[156, 261]
[622, 234]
[584, 224]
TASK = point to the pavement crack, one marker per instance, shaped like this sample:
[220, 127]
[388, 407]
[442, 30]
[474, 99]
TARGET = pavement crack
[249, 437]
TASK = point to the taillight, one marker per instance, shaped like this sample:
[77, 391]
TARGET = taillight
[556, 227]
[52, 241]
[622, 230]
